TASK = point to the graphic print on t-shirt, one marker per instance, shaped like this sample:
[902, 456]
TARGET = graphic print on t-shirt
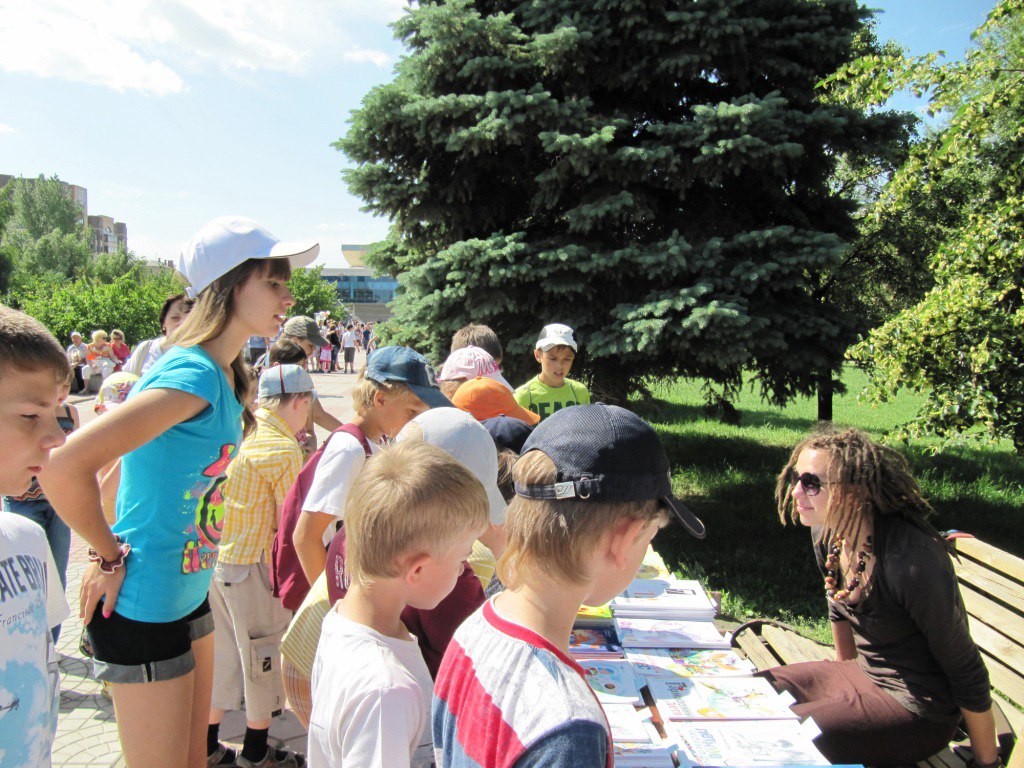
[200, 554]
[29, 678]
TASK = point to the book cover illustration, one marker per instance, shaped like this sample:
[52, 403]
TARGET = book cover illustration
[613, 680]
[722, 698]
[746, 744]
[661, 633]
[667, 597]
[670, 663]
[594, 642]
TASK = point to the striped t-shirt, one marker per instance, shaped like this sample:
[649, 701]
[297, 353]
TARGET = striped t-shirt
[506, 698]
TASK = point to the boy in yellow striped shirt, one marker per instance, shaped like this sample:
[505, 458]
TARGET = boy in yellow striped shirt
[248, 618]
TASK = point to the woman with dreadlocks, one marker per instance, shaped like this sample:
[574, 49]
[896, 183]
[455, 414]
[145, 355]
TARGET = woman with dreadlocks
[907, 669]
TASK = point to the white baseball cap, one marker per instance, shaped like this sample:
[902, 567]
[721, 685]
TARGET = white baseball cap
[284, 380]
[470, 362]
[469, 443]
[224, 243]
[556, 335]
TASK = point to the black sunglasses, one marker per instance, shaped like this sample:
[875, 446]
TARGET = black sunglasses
[811, 483]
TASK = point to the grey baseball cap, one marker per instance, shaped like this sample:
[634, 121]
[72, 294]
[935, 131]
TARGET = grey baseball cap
[303, 327]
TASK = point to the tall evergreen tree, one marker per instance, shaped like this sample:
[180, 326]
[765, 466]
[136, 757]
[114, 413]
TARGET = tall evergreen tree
[654, 173]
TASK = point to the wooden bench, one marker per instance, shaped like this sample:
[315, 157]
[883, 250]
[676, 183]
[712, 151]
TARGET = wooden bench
[992, 585]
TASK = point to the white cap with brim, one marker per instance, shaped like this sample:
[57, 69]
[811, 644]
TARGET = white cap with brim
[556, 335]
[469, 443]
[224, 243]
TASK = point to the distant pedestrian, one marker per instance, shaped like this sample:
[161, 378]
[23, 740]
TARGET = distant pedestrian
[77, 353]
[348, 348]
[121, 349]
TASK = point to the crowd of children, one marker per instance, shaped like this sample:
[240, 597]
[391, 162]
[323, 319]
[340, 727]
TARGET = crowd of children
[408, 589]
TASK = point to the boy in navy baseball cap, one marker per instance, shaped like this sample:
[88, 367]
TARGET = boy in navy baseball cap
[592, 489]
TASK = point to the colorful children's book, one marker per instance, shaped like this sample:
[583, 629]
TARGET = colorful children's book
[656, 753]
[653, 567]
[719, 698]
[613, 680]
[746, 744]
[659, 633]
[594, 643]
[629, 724]
[667, 598]
[671, 663]
[593, 617]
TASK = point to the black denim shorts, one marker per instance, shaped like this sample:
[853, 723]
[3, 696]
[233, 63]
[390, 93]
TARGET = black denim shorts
[129, 651]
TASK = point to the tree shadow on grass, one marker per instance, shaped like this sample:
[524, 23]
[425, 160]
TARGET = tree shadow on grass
[666, 412]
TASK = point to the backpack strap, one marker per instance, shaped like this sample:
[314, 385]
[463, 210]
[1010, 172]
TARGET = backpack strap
[357, 433]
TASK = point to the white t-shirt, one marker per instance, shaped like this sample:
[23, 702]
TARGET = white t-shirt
[348, 339]
[338, 468]
[31, 602]
[371, 700]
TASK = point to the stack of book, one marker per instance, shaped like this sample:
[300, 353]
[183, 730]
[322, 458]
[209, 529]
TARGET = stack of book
[674, 690]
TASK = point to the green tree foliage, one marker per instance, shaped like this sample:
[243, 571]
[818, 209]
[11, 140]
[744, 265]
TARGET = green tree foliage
[44, 236]
[131, 302]
[963, 344]
[655, 174]
[313, 294]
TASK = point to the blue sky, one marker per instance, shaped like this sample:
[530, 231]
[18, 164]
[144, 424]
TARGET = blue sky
[173, 112]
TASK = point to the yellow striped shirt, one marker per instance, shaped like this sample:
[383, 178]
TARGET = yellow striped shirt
[257, 482]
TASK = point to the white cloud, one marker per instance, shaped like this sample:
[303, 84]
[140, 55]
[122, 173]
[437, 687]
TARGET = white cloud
[4, 129]
[153, 45]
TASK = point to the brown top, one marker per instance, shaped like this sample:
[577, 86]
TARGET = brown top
[911, 628]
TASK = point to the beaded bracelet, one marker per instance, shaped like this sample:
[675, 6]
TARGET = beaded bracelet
[109, 566]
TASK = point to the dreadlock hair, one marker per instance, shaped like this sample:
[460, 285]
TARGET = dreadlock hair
[870, 480]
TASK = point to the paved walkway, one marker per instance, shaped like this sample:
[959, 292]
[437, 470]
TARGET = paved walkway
[86, 730]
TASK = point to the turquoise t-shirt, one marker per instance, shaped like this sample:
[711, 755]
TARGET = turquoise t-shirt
[543, 400]
[169, 504]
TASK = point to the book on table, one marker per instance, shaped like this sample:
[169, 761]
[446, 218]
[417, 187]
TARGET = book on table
[628, 724]
[594, 617]
[719, 698]
[755, 743]
[659, 633]
[671, 663]
[613, 680]
[594, 643]
[667, 598]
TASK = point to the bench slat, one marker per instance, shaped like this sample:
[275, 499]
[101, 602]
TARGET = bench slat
[1013, 715]
[756, 651]
[993, 557]
[991, 583]
[793, 647]
[1002, 619]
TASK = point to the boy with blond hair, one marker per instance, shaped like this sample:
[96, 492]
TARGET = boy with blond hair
[592, 488]
[33, 368]
[248, 618]
[410, 522]
[552, 389]
[478, 336]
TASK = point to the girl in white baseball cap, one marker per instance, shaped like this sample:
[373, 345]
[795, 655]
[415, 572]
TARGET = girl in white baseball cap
[176, 433]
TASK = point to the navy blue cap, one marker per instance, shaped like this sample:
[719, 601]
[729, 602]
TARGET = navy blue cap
[604, 453]
[406, 365]
[508, 432]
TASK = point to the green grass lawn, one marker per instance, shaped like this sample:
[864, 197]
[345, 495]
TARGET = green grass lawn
[727, 474]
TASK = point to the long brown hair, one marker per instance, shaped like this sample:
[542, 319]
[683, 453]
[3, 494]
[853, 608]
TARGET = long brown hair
[210, 315]
[871, 479]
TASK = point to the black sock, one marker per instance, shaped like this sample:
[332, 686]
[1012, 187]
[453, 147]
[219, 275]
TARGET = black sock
[212, 738]
[254, 747]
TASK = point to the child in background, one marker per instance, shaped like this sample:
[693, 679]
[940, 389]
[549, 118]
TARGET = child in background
[396, 385]
[33, 504]
[325, 359]
[248, 618]
[410, 522]
[478, 336]
[33, 370]
[572, 539]
[552, 390]
[465, 364]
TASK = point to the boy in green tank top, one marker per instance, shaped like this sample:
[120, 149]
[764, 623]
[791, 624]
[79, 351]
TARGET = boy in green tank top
[552, 390]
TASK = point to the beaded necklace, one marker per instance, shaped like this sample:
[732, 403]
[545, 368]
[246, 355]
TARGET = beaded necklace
[833, 569]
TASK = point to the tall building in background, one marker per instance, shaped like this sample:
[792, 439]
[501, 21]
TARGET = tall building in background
[364, 292]
[107, 235]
